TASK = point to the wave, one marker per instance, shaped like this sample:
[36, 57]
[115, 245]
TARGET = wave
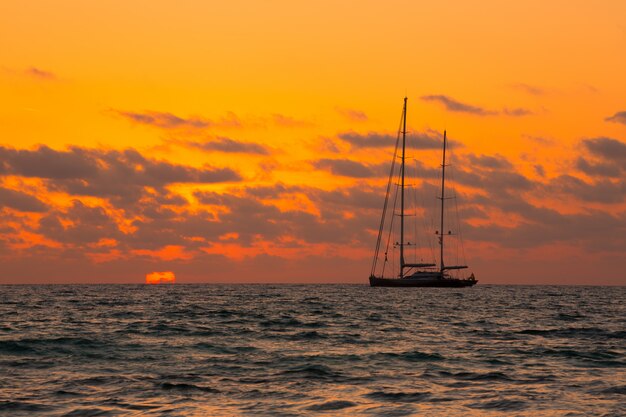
[477, 376]
[331, 406]
[596, 357]
[185, 387]
[575, 332]
[224, 350]
[501, 405]
[410, 356]
[24, 406]
[310, 335]
[50, 345]
[398, 397]
[90, 412]
[617, 389]
[314, 371]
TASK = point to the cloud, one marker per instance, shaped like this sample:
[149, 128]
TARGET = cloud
[602, 169]
[496, 162]
[516, 112]
[427, 139]
[368, 140]
[456, 106]
[79, 225]
[540, 140]
[45, 162]
[352, 115]
[123, 175]
[347, 168]
[353, 197]
[288, 121]
[603, 191]
[539, 170]
[530, 89]
[40, 74]
[596, 231]
[606, 148]
[224, 144]
[21, 201]
[619, 117]
[166, 120]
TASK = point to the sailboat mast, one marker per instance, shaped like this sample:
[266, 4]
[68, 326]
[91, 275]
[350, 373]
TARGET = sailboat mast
[402, 192]
[443, 199]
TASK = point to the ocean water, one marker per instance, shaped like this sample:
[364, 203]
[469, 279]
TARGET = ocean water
[299, 350]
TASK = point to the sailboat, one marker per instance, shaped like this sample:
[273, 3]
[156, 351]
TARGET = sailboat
[415, 274]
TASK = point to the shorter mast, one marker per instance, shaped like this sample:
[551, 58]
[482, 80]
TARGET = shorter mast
[443, 198]
[402, 192]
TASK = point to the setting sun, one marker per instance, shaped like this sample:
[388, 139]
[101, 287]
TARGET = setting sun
[166, 277]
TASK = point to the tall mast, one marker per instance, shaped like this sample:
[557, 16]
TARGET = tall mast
[443, 199]
[402, 192]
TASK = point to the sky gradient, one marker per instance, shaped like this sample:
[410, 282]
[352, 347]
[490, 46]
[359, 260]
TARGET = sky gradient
[250, 141]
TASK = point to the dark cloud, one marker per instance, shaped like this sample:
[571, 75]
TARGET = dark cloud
[166, 120]
[539, 170]
[250, 218]
[603, 191]
[79, 225]
[21, 201]
[496, 162]
[347, 168]
[368, 140]
[596, 231]
[456, 106]
[606, 158]
[355, 197]
[619, 117]
[606, 148]
[288, 121]
[353, 115]
[484, 178]
[223, 144]
[427, 139]
[530, 89]
[601, 169]
[48, 163]
[540, 140]
[40, 74]
[122, 175]
[516, 112]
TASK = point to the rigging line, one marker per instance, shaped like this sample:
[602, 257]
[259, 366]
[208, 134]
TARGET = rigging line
[418, 239]
[458, 218]
[419, 196]
[393, 211]
[382, 218]
[415, 235]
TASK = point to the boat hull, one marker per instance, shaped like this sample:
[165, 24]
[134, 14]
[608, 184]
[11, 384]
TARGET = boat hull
[424, 283]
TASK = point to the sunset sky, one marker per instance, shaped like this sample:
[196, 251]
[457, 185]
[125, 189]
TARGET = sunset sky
[249, 141]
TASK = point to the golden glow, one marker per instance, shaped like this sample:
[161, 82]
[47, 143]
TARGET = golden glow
[166, 277]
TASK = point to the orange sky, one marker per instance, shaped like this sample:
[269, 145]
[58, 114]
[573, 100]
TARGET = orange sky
[226, 141]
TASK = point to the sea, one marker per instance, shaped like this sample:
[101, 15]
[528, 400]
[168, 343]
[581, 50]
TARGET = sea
[312, 350]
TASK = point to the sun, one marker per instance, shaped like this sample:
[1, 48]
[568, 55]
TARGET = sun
[165, 277]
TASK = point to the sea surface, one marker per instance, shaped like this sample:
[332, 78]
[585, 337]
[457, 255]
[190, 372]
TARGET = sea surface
[307, 350]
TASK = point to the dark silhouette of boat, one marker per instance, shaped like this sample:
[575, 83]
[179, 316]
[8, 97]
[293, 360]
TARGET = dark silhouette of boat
[415, 274]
